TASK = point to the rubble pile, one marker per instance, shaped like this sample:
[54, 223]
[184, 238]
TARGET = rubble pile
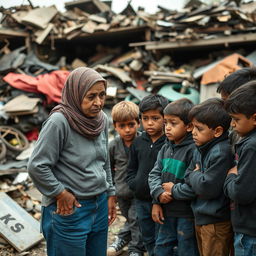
[32, 73]
[83, 18]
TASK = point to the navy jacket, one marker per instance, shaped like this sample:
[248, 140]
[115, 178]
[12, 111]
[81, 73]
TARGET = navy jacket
[172, 162]
[214, 159]
[143, 155]
[241, 188]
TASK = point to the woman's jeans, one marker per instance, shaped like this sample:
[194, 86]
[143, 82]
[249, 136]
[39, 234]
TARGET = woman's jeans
[83, 233]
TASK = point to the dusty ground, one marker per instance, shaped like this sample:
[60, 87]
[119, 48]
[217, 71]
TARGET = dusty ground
[40, 249]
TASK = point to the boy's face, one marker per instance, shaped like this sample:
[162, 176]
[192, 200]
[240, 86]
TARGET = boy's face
[175, 129]
[224, 95]
[153, 123]
[127, 130]
[243, 125]
[202, 133]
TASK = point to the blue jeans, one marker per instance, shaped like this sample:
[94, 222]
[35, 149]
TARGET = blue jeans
[175, 230]
[245, 245]
[83, 233]
[149, 229]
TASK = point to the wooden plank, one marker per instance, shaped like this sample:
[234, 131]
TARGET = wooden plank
[12, 171]
[18, 227]
[21, 103]
[42, 34]
[12, 33]
[242, 38]
[40, 17]
[111, 32]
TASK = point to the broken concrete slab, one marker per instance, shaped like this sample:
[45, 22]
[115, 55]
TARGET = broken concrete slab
[18, 227]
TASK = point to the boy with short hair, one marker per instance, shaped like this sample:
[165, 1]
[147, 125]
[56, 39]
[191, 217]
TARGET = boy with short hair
[143, 154]
[125, 115]
[176, 218]
[206, 175]
[235, 80]
[229, 84]
[240, 182]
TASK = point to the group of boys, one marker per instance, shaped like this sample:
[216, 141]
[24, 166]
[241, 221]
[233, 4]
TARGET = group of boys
[186, 184]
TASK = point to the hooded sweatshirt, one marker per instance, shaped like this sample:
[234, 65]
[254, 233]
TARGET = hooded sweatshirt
[172, 162]
[241, 188]
[214, 159]
[143, 155]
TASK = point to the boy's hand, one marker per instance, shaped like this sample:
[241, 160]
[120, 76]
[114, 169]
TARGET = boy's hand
[197, 168]
[111, 209]
[157, 214]
[168, 186]
[233, 170]
[165, 198]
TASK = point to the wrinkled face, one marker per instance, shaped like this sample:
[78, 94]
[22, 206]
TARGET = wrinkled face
[153, 123]
[175, 129]
[243, 125]
[127, 130]
[202, 133]
[94, 100]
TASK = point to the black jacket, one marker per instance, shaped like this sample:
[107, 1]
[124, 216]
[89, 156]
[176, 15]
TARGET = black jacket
[214, 159]
[241, 188]
[143, 155]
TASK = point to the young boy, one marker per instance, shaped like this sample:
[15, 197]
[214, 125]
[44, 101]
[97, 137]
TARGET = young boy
[125, 117]
[176, 219]
[206, 175]
[229, 84]
[240, 182]
[235, 80]
[143, 154]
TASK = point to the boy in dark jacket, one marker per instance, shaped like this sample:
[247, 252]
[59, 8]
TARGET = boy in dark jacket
[176, 218]
[228, 85]
[125, 115]
[206, 175]
[143, 154]
[240, 182]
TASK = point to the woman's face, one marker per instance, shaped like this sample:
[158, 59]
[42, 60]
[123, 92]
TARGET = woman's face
[94, 100]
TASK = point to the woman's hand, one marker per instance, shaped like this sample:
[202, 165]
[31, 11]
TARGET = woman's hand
[66, 202]
[111, 209]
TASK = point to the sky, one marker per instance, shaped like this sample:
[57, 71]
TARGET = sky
[117, 5]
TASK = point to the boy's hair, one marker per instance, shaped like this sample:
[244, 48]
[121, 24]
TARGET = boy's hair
[237, 79]
[179, 108]
[125, 111]
[153, 102]
[243, 100]
[212, 113]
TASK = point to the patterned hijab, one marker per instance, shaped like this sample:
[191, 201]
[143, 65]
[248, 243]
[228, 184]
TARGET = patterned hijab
[76, 86]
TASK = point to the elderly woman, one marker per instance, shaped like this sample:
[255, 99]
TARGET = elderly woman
[70, 167]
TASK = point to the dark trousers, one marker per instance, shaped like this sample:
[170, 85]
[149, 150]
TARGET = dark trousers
[176, 231]
[130, 232]
[149, 229]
